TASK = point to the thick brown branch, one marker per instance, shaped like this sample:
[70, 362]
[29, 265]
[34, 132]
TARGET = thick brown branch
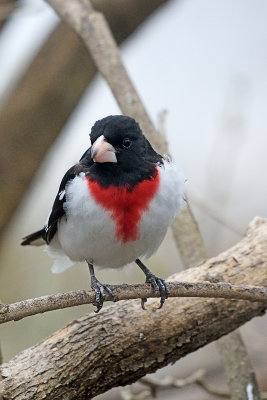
[124, 342]
[25, 308]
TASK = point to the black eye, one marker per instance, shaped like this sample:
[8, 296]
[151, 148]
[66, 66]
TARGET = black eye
[126, 143]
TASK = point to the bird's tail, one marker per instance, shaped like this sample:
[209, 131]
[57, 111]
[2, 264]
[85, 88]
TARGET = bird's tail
[34, 239]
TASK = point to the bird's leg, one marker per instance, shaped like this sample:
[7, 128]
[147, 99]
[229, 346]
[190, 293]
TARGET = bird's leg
[156, 283]
[99, 289]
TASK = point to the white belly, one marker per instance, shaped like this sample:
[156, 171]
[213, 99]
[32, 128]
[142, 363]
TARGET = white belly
[88, 232]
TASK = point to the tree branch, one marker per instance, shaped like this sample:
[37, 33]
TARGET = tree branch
[197, 378]
[25, 308]
[124, 342]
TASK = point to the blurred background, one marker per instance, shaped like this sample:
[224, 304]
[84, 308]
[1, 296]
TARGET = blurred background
[200, 68]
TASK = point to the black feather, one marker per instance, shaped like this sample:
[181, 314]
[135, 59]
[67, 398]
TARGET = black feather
[32, 237]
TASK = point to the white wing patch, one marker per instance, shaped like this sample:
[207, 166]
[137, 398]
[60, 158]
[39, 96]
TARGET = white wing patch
[61, 195]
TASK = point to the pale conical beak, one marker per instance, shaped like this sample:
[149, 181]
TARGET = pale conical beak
[102, 151]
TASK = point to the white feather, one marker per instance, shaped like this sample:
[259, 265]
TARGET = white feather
[38, 242]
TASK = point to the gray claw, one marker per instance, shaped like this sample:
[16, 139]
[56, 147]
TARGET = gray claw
[160, 285]
[100, 294]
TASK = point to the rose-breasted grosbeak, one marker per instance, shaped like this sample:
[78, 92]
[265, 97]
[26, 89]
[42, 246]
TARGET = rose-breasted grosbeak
[114, 206]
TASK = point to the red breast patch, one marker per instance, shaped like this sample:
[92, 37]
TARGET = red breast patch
[126, 207]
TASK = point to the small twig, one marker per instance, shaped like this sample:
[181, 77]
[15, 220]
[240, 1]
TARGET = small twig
[165, 383]
[126, 394]
[25, 308]
[169, 382]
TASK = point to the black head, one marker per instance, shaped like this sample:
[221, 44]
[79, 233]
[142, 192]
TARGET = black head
[133, 158]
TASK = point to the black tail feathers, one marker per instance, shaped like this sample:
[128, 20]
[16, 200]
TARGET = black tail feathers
[35, 239]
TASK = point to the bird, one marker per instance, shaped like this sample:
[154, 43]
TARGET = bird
[114, 206]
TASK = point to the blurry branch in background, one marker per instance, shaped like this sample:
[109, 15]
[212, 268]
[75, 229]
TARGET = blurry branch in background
[213, 214]
[25, 308]
[168, 382]
[123, 342]
[6, 10]
[94, 30]
[35, 112]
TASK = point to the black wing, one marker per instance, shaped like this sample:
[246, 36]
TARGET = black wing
[47, 233]
[58, 211]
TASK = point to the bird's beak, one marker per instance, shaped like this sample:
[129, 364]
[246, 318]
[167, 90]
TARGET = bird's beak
[102, 151]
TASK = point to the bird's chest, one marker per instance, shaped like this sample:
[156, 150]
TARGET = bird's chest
[124, 205]
[110, 211]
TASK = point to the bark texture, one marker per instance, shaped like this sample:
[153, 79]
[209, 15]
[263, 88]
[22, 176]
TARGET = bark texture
[124, 342]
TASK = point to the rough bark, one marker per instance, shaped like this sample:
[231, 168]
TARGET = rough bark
[124, 342]
[35, 113]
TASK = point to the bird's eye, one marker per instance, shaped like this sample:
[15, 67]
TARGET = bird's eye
[126, 143]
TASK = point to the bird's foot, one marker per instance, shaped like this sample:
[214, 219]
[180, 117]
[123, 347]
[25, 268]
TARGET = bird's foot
[100, 289]
[158, 284]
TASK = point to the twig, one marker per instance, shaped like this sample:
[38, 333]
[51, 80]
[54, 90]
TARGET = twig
[126, 394]
[6, 10]
[25, 308]
[169, 382]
